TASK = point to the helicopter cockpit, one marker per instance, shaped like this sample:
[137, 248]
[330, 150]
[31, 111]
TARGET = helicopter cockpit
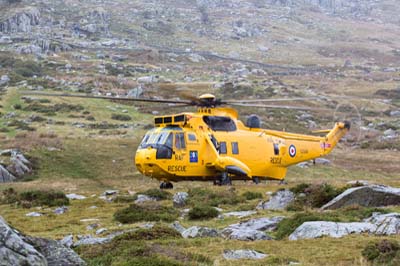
[164, 141]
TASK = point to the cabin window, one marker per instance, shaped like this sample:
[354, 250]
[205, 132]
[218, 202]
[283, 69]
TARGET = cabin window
[191, 137]
[170, 140]
[180, 141]
[276, 149]
[144, 141]
[222, 147]
[220, 123]
[235, 148]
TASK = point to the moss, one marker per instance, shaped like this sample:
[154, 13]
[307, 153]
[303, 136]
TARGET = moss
[385, 252]
[137, 213]
[249, 195]
[202, 212]
[34, 198]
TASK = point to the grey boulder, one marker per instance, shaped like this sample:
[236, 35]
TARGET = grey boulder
[278, 201]
[199, 231]
[144, 198]
[246, 235]
[15, 251]
[243, 254]
[386, 224]
[180, 199]
[318, 229]
[367, 196]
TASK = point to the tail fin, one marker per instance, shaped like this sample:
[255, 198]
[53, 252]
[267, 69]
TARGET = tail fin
[333, 137]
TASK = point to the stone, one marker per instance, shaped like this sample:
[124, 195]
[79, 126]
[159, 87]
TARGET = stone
[318, 229]
[243, 254]
[61, 210]
[147, 79]
[262, 224]
[248, 235]
[144, 198]
[358, 183]
[180, 198]
[92, 241]
[110, 192]
[367, 196]
[33, 214]
[199, 231]
[21, 21]
[395, 113]
[19, 165]
[178, 227]
[386, 224]
[67, 241]
[5, 40]
[100, 231]
[240, 214]
[322, 161]
[279, 201]
[196, 58]
[5, 175]
[4, 79]
[55, 253]
[74, 196]
[15, 251]
[135, 93]
[92, 226]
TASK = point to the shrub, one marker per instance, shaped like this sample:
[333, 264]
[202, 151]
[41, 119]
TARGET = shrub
[27, 69]
[17, 106]
[385, 252]
[211, 198]
[249, 195]
[121, 117]
[137, 213]
[18, 124]
[41, 198]
[157, 232]
[125, 198]
[157, 194]
[202, 212]
[52, 109]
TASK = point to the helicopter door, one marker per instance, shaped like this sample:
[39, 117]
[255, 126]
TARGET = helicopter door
[179, 158]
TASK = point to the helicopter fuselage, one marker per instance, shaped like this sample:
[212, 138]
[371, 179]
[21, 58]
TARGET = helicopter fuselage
[212, 142]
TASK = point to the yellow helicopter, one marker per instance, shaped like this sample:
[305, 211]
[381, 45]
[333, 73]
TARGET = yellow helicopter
[212, 144]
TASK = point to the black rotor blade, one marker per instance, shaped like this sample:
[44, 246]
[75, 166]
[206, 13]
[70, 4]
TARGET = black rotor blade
[131, 99]
[281, 107]
[272, 100]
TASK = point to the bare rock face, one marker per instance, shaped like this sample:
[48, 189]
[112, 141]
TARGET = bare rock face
[367, 196]
[15, 251]
[279, 201]
[243, 254]
[5, 175]
[199, 231]
[386, 224]
[22, 21]
[322, 228]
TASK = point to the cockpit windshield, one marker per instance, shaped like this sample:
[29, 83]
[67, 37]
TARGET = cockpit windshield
[153, 138]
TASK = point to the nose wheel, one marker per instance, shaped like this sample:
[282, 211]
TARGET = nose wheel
[223, 180]
[166, 185]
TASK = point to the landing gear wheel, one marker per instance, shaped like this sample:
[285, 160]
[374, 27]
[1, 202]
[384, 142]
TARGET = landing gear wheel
[225, 179]
[256, 180]
[166, 185]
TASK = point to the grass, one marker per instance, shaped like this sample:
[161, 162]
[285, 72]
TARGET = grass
[34, 198]
[202, 212]
[139, 213]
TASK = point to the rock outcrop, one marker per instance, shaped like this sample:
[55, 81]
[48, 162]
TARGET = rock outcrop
[199, 231]
[367, 196]
[243, 254]
[17, 249]
[386, 224]
[180, 199]
[21, 21]
[279, 201]
[322, 228]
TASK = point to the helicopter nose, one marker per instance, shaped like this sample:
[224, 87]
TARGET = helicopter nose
[144, 158]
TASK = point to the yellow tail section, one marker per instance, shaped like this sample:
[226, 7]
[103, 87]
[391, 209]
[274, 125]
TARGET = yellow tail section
[333, 137]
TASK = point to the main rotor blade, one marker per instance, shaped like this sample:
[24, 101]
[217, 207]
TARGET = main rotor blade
[131, 99]
[273, 100]
[281, 107]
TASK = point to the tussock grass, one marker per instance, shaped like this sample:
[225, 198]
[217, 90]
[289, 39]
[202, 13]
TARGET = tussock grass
[138, 213]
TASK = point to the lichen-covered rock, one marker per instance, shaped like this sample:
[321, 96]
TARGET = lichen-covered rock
[21, 21]
[322, 228]
[180, 199]
[386, 224]
[367, 196]
[144, 198]
[243, 254]
[199, 231]
[5, 175]
[279, 201]
[15, 251]
[247, 235]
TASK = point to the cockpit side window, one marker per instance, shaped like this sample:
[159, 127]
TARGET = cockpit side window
[170, 140]
[220, 123]
[144, 140]
[180, 141]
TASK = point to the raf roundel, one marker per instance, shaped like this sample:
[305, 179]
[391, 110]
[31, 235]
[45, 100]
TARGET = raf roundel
[292, 151]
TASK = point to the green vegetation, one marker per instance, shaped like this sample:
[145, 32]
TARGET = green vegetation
[157, 194]
[53, 109]
[33, 198]
[137, 213]
[385, 252]
[121, 117]
[144, 247]
[313, 196]
[202, 212]
[213, 198]
[250, 195]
